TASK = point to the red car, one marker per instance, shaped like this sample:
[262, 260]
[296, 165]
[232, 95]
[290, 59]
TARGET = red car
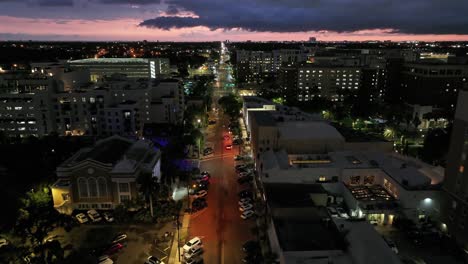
[114, 249]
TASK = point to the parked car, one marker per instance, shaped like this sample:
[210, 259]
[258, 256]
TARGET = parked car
[203, 179]
[105, 260]
[108, 217]
[207, 151]
[237, 141]
[246, 179]
[247, 214]
[192, 243]
[114, 248]
[3, 242]
[94, 215]
[332, 211]
[251, 246]
[194, 260]
[153, 260]
[238, 157]
[245, 194]
[252, 259]
[341, 212]
[246, 207]
[81, 218]
[194, 252]
[240, 166]
[228, 147]
[245, 200]
[200, 194]
[119, 238]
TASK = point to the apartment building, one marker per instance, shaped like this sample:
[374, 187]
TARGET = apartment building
[455, 208]
[37, 104]
[434, 84]
[252, 66]
[24, 105]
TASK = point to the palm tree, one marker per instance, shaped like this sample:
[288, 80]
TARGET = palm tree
[149, 187]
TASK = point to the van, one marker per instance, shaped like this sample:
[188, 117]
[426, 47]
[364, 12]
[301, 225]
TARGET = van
[192, 243]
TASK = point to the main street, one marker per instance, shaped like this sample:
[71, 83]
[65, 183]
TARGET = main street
[222, 230]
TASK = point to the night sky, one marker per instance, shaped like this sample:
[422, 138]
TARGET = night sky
[199, 20]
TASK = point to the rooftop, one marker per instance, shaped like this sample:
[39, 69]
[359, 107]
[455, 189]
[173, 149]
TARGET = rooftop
[306, 229]
[109, 60]
[107, 151]
[307, 130]
[291, 195]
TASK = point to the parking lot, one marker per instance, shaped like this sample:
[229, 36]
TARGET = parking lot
[86, 242]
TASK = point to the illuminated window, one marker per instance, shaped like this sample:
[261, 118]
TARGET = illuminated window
[462, 169]
[322, 178]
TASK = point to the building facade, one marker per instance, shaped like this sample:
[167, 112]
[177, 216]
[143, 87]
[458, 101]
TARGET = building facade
[455, 209]
[105, 175]
[131, 67]
[37, 104]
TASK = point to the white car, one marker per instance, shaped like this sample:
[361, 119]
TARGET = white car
[201, 194]
[3, 242]
[342, 213]
[192, 243]
[246, 207]
[119, 238]
[94, 215]
[105, 260]
[153, 260]
[247, 214]
[194, 252]
[81, 218]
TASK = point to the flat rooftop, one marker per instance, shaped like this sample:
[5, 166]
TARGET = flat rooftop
[307, 130]
[109, 61]
[291, 195]
[306, 229]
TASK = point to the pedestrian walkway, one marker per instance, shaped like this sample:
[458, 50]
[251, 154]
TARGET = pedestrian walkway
[183, 234]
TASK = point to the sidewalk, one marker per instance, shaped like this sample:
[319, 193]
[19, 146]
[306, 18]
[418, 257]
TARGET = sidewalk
[183, 233]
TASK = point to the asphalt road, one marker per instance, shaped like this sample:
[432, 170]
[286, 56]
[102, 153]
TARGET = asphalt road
[219, 225]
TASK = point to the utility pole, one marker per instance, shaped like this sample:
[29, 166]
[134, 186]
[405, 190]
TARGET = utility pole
[178, 236]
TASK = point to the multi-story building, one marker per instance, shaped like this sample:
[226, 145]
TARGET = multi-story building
[252, 66]
[455, 209]
[38, 104]
[25, 108]
[131, 67]
[105, 175]
[432, 84]
[331, 82]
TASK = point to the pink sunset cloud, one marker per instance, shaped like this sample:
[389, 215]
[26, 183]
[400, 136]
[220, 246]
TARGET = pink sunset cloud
[128, 29]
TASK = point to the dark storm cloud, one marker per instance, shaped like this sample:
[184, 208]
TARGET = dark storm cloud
[131, 2]
[41, 2]
[403, 16]
[55, 2]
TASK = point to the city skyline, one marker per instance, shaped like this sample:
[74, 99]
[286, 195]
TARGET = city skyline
[178, 20]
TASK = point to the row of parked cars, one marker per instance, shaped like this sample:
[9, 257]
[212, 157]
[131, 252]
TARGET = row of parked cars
[245, 175]
[193, 251]
[93, 216]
